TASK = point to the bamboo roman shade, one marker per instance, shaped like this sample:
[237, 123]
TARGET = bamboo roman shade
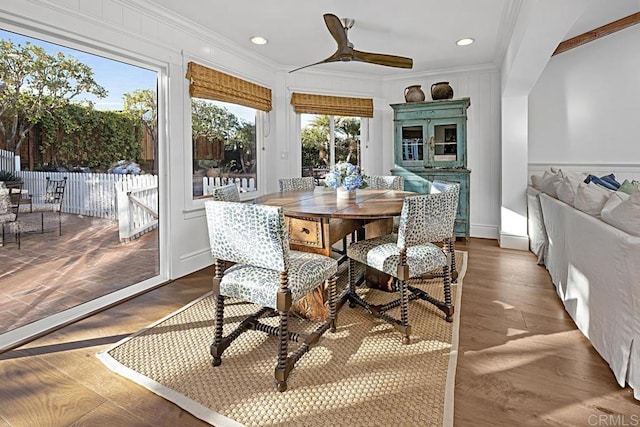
[332, 105]
[211, 84]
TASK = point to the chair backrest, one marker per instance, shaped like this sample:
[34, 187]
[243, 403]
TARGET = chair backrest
[443, 186]
[428, 217]
[246, 233]
[306, 183]
[54, 191]
[385, 182]
[227, 193]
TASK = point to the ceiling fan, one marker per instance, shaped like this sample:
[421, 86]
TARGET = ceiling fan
[346, 52]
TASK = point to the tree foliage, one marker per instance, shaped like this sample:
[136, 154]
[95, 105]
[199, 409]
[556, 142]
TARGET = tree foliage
[217, 123]
[142, 105]
[79, 135]
[315, 140]
[34, 84]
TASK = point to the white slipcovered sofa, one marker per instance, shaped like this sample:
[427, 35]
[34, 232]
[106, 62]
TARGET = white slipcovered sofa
[595, 268]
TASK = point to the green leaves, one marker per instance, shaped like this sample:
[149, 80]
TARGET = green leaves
[78, 135]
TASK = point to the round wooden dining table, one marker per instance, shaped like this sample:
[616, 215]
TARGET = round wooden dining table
[318, 219]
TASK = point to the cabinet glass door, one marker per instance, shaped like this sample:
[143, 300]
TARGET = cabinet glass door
[411, 151]
[445, 138]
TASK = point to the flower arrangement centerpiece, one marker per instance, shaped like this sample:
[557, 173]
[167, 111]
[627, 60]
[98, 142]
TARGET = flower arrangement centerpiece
[345, 178]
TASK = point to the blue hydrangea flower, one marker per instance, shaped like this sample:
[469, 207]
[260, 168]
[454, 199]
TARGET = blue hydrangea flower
[345, 175]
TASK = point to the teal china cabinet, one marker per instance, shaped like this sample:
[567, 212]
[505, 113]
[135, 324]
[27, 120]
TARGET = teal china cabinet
[430, 142]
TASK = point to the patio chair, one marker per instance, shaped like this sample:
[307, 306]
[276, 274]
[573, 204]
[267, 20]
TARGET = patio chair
[426, 219]
[305, 183]
[266, 273]
[226, 193]
[9, 210]
[50, 201]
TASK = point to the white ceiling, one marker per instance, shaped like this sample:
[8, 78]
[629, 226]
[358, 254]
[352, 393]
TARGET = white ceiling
[425, 30]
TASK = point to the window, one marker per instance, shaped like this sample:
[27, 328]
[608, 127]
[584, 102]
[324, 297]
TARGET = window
[327, 140]
[224, 145]
[224, 110]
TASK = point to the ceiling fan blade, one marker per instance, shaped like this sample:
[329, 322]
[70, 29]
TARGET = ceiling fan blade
[332, 58]
[383, 59]
[334, 25]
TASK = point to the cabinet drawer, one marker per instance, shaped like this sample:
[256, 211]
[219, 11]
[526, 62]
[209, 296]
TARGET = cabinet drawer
[305, 231]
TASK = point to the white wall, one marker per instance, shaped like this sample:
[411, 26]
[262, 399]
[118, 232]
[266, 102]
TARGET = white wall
[482, 86]
[585, 109]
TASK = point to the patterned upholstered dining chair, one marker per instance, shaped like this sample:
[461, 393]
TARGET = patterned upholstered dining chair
[227, 193]
[267, 273]
[426, 220]
[305, 183]
[385, 182]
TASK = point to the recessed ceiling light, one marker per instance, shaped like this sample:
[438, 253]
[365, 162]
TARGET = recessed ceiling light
[258, 40]
[465, 42]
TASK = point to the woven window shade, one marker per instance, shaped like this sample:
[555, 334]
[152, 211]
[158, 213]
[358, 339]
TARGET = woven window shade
[211, 84]
[332, 105]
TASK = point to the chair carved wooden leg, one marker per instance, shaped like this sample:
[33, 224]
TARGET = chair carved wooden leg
[284, 304]
[352, 283]
[216, 348]
[332, 303]
[403, 275]
[452, 253]
[448, 306]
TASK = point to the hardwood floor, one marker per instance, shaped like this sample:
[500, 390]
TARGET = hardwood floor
[521, 360]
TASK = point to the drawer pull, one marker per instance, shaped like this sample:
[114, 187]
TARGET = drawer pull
[305, 230]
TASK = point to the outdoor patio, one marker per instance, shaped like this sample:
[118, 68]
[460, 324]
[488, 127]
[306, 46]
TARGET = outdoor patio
[51, 273]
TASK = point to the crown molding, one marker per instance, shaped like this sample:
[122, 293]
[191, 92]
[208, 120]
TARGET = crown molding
[490, 67]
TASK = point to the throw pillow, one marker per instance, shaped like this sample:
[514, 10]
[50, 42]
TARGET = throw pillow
[567, 189]
[590, 198]
[629, 186]
[607, 181]
[614, 200]
[536, 181]
[550, 182]
[626, 215]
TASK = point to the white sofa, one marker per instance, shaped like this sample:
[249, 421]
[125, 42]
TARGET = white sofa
[596, 270]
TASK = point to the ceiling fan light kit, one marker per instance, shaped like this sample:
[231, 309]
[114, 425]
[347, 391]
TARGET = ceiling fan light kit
[346, 53]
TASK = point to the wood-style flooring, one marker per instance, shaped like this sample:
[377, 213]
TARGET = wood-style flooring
[521, 359]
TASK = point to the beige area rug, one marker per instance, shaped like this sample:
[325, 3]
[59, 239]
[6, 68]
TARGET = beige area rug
[359, 375]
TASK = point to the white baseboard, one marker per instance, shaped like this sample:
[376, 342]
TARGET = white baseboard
[484, 231]
[510, 241]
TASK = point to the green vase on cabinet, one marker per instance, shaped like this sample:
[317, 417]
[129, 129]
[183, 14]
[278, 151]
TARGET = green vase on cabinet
[430, 144]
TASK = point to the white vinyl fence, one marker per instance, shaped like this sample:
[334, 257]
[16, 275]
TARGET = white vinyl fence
[96, 195]
[244, 184]
[137, 199]
[7, 161]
